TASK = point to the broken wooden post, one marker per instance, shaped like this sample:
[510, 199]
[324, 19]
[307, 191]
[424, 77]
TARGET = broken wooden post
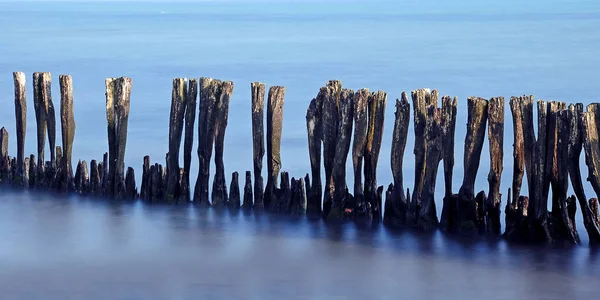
[206, 136]
[32, 172]
[234, 192]
[421, 98]
[282, 196]
[427, 214]
[77, 178]
[26, 172]
[21, 126]
[496, 142]
[376, 112]
[476, 124]
[248, 203]
[145, 178]
[130, 188]
[258, 143]
[563, 209]
[118, 93]
[4, 158]
[67, 121]
[219, 188]
[361, 101]
[95, 185]
[298, 205]
[188, 142]
[396, 206]
[330, 99]
[274, 127]
[592, 160]
[518, 148]
[315, 136]
[177, 113]
[574, 115]
[41, 95]
[103, 168]
[345, 109]
[450, 201]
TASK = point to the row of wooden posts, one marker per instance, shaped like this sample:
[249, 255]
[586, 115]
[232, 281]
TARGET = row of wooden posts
[338, 120]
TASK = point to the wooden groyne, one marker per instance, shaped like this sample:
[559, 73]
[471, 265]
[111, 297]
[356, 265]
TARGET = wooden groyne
[340, 123]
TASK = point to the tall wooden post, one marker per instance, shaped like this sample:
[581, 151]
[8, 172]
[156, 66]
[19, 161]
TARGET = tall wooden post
[118, 93]
[21, 120]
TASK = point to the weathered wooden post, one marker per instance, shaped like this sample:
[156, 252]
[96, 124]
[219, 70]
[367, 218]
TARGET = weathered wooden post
[95, 186]
[234, 192]
[130, 188]
[396, 206]
[4, 159]
[422, 98]
[103, 171]
[376, 110]
[450, 201]
[592, 160]
[178, 105]
[21, 117]
[219, 188]
[206, 136]
[188, 142]
[330, 99]
[41, 94]
[344, 111]
[67, 121]
[118, 93]
[258, 144]
[574, 118]
[315, 137]
[248, 203]
[476, 124]
[361, 101]
[274, 127]
[32, 172]
[496, 140]
[298, 205]
[145, 178]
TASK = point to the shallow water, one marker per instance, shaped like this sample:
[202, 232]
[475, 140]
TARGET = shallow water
[57, 248]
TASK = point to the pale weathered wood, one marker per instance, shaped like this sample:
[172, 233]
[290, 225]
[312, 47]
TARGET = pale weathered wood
[330, 99]
[361, 101]
[376, 109]
[274, 127]
[589, 122]
[41, 83]
[450, 201]
[67, 121]
[21, 125]
[258, 144]
[4, 158]
[315, 137]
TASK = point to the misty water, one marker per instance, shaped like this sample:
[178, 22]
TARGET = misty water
[56, 247]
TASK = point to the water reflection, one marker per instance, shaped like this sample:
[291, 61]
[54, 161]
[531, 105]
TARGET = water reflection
[87, 248]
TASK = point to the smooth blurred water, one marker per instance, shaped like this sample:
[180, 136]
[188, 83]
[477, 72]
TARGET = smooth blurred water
[78, 248]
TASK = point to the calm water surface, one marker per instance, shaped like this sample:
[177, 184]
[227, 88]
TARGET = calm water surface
[56, 248]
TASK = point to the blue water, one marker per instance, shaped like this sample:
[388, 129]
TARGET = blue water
[462, 48]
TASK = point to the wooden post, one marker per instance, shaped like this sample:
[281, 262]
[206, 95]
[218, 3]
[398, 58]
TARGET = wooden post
[330, 99]
[496, 140]
[188, 142]
[574, 115]
[130, 188]
[206, 136]
[103, 168]
[234, 190]
[274, 127]
[258, 143]
[315, 137]
[32, 172]
[41, 93]
[298, 197]
[248, 203]
[518, 147]
[421, 98]
[376, 112]
[592, 160]
[476, 124]
[396, 206]
[219, 188]
[4, 158]
[563, 208]
[427, 217]
[118, 93]
[450, 201]
[282, 196]
[67, 122]
[145, 178]
[77, 178]
[345, 111]
[26, 172]
[178, 104]
[95, 185]
[21, 117]
[361, 101]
